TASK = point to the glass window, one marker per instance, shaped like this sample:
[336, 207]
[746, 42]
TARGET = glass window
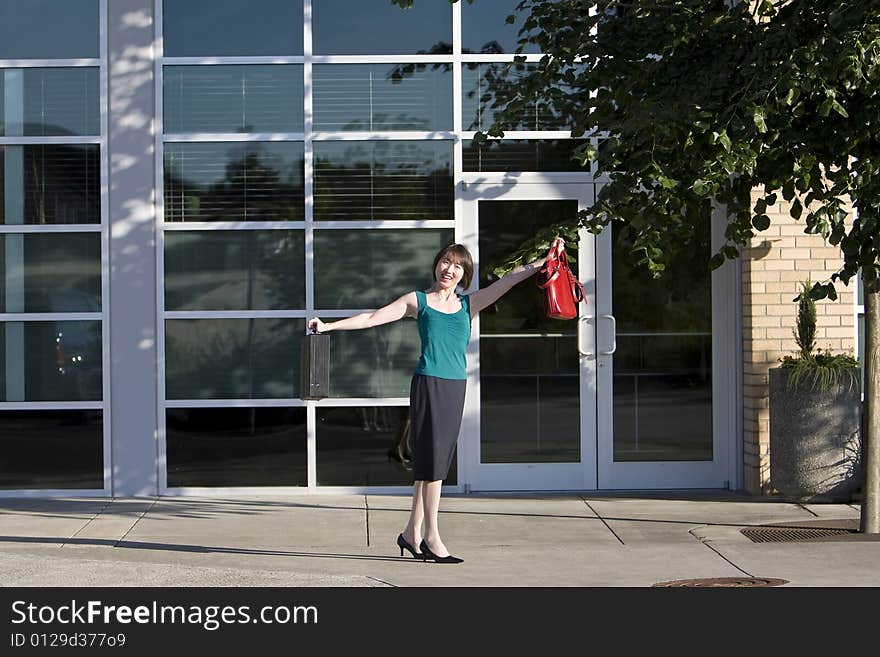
[46, 450]
[484, 84]
[485, 30]
[377, 27]
[232, 28]
[49, 29]
[664, 355]
[232, 358]
[378, 362]
[370, 268]
[383, 180]
[233, 98]
[222, 181]
[365, 446]
[382, 96]
[521, 155]
[50, 361]
[58, 183]
[235, 270]
[49, 101]
[236, 446]
[50, 273]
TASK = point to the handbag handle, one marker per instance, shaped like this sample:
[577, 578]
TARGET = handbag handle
[557, 255]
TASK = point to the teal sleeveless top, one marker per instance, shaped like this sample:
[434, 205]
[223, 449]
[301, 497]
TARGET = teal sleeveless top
[445, 338]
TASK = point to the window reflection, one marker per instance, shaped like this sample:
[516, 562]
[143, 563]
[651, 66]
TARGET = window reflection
[51, 361]
[370, 268]
[484, 88]
[377, 27]
[664, 354]
[59, 184]
[221, 181]
[485, 30]
[49, 101]
[366, 446]
[50, 273]
[44, 450]
[382, 97]
[235, 270]
[49, 29]
[375, 363]
[529, 381]
[383, 180]
[232, 358]
[521, 155]
[232, 28]
[236, 447]
[233, 98]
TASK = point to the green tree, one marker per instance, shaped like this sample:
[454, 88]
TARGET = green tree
[692, 103]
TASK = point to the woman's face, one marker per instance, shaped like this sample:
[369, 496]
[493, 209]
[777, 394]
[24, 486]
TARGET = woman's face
[448, 273]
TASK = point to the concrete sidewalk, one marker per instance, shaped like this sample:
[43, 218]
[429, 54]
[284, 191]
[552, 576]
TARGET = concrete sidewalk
[506, 540]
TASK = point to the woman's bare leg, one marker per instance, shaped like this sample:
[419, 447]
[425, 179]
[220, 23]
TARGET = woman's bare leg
[413, 531]
[431, 500]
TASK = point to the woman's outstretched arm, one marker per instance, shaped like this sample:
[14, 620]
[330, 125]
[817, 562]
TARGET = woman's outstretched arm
[489, 295]
[407, 305]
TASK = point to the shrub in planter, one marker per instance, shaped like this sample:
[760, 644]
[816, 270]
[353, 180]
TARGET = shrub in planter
[815, 415]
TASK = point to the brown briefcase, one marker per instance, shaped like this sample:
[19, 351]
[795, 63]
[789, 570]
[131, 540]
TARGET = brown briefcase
[314, 366]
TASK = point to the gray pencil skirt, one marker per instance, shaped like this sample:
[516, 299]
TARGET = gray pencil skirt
[435, 409]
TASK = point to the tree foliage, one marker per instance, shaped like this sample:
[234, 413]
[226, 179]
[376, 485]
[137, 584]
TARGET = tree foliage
[694, 102]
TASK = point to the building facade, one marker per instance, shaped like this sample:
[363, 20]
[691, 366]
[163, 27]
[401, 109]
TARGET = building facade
[185, 182]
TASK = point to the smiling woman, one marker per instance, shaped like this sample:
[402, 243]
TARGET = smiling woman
[437, 390]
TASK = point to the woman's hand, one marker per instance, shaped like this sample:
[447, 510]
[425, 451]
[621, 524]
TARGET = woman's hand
[558, 243]
[317, 325]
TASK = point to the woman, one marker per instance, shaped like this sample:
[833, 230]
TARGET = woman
[438, 384]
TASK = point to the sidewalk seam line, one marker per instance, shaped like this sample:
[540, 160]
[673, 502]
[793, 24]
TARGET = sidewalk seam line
[367, 518]
[607, 526]
[382, 581]
[804, 507]
[137, 520]
[89, 522]
[711, 547]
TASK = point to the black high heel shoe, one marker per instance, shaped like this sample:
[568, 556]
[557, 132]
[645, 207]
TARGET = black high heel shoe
[404, 545]
[428, 555]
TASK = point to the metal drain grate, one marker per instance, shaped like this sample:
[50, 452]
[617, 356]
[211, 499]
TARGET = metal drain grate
[725, 582]
[777, 534]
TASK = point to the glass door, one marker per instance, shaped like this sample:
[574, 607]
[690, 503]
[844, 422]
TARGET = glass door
[530, 417]
[663, 381]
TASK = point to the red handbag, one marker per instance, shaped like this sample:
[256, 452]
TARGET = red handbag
[562, 290]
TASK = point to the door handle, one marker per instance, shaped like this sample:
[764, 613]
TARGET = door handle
[613, 335]
[588, 354]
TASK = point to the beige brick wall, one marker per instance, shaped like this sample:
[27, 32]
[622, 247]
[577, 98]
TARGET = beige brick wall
[773, 266]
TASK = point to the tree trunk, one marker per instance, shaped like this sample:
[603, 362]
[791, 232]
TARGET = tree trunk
[870, 515]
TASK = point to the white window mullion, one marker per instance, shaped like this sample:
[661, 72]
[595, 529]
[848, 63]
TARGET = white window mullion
[309, 193]
[43, 141]
[50, 317]
[214, 61]
[162, 404]
[234, 225]
[382, 225]
[104, 89]
[403, 135]
[49, 228]
[51, 63]
[232, 136]
[235, 314]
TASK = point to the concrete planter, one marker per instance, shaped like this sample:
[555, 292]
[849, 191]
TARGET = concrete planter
[815, 440]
